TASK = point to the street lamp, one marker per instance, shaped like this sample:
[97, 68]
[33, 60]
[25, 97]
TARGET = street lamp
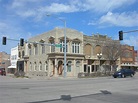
[99, 55]
[65, 39]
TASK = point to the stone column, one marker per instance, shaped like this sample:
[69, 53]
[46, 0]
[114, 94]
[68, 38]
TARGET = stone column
[55, 75]
[49, 68]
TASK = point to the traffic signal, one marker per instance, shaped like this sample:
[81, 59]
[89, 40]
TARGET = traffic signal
[21, 42]
[120, 35]
[4, 40]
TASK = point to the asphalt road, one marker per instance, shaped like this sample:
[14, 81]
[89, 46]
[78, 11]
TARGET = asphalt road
[92, 90]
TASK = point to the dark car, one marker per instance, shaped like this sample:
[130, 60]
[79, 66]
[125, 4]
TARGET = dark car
[124, 73]
[2, 71]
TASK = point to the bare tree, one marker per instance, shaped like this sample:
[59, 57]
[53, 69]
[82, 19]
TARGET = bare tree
[112, 51]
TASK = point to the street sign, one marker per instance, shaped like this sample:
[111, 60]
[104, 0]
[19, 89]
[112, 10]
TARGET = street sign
[58, 45]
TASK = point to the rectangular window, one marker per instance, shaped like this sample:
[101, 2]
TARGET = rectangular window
[62, 49]
[35, 67]
[43, 49]
[40, 67]
[36, 50]
[75, 47]
[30, 52]
[85, 68]
[46, 67]
[68, 68]
[52, 47]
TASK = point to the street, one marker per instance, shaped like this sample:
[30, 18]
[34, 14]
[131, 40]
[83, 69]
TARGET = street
[72, 90]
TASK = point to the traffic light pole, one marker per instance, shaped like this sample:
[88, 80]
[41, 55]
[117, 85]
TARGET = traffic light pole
[130, 31]
[122, 32]
[4, 41]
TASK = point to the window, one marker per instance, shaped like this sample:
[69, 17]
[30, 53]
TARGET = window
[69, 66]
[22, 54]
[19, 54]
[40, 66]
[85, 68]
[52, 47]
[36, 50]
[46, 66]
[75, 47]
[35, 66]
[30, 66]
[30, 52]
[62, 49]
[43, 49]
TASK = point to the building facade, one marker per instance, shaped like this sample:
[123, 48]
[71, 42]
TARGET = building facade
[136, 59]
[4, 60]
[127, 59]
[97, 52]
[13, 59]
[47, 60]
[43, 55]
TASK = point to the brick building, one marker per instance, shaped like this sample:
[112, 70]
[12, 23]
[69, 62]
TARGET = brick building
[127, 59]
[4, 60]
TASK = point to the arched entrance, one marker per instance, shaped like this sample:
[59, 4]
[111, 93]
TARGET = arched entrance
[77, 67]
[60, 67]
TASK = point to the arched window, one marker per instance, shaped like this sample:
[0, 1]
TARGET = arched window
[77, 63]
[87, 49]
[40, 66]
[46, 66]
[69, 66]
[97, 50]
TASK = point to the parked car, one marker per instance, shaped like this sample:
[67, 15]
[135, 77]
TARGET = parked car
[124, 73]
[2, 71]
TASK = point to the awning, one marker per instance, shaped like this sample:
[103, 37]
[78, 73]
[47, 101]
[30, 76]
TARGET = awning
[12, 66]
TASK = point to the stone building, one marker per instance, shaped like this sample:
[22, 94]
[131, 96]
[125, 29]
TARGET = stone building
[43, 55]
[45, 59]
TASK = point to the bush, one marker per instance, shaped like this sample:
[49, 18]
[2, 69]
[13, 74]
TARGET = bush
[96, 74]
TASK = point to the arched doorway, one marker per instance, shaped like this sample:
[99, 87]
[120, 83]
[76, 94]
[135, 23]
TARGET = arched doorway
[77, 67]
[60, 67]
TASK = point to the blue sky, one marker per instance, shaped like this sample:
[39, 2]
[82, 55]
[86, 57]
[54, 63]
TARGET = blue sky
[27, 18]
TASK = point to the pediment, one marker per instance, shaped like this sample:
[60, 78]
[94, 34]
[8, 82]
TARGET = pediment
[76, 40]
[62, 38]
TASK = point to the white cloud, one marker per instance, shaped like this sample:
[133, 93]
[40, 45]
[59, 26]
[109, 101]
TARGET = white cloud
[27, 8]
[100, 6]
[57, 8]
[126, 19]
